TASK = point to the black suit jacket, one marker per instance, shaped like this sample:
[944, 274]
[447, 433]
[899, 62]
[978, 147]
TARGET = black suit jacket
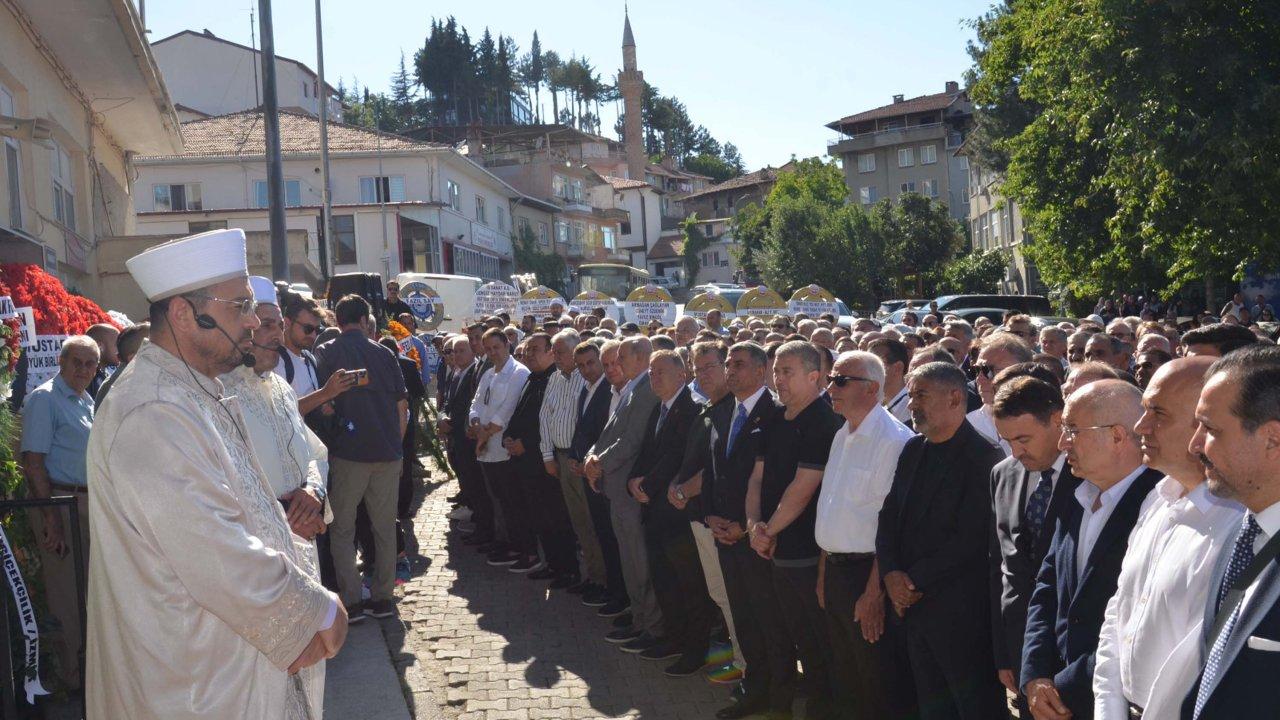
[727, 495]
[1065, 615]
[661, 454]
[1016, 556]
[524, 425]
[592, 422]
[457, 405]
[934, 526]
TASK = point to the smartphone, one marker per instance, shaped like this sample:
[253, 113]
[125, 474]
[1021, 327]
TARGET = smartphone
[362, 376]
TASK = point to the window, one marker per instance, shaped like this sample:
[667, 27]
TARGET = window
[867, 163]
[609, 241]
[523, 227]
[986, 230]
[929, 188]
[179, 197]
[344, 239]
[562, 232]
[928, 154]
[715, 207]
[868, 194]
[381, 189]
[567, 189]
[995, 227]
[292, 193]
[12, 162]
[594, 236]
[306, 91]
[453, 191]
[730, 203]
[625, 228]
[480, 210]
[544, 238]
[470, 262]
[502, 218]
[64, 195]
[906, 157]
[579, 232]
[205, 226]
[909, 186]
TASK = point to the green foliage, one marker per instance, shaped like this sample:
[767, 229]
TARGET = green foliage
[1140, 137]
[975, 272]
[711, 165]
[695, 241]
[547, 266]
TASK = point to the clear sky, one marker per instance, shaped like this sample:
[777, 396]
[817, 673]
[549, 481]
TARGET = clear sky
[766, 76]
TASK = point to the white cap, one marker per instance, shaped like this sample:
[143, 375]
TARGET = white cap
[264, 291]
[190, 263]
[1097, 319]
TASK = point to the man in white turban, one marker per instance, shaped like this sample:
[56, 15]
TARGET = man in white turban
[202, 601]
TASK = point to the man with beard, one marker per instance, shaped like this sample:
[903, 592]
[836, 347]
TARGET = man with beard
[199, 600]
[1238, 441]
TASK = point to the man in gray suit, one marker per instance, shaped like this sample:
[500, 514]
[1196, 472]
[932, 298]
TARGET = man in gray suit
[609, 462]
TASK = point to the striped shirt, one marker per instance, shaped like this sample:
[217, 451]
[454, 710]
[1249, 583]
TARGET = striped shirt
[559, 415]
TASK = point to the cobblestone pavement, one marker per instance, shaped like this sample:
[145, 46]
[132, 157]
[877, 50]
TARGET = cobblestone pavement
[478, 642]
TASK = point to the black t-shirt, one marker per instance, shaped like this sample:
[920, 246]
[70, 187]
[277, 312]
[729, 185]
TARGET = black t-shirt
[395, 309]
[788, 446]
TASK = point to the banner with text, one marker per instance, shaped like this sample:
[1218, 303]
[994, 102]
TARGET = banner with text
[539, 302]
[813, 300]
[648, 303]
[493, 298]
[761, 301]
[42, 360]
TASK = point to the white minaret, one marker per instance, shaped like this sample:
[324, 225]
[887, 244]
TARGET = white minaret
[631, 82]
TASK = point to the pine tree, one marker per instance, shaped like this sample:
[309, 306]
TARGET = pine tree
[402, 93]
[536, 73]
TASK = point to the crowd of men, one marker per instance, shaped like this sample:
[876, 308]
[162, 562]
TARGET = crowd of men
[935, 519]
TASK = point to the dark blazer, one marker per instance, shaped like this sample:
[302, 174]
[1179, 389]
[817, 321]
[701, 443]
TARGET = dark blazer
[727, 495]
[591, 424]
[661, 454]
[523, 425]
[457, 405]
[1064, 617]
[1245, 684]
[696, 455]
[934, 528]
[1016, 556]
[412, 378]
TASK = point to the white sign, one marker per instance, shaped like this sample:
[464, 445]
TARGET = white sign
[484, 237]
[493, 298]
[7, 310]
[42, 360]
[644, 312]
[539, 308]
[812, 308]
[27, 332]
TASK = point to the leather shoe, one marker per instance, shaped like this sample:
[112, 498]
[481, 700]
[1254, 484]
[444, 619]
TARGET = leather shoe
[745, 707]
[545, 573]
[564, 582]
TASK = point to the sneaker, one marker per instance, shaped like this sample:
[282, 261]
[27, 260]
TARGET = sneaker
[403, 574]
[356, 613]
[502, 558]
[640, 644]
[545, 573]
[622, 635]
[578, 587]
[564, 582]
[462, 512]
[684, 667]
[662, 650]
[381, 609]
[595, 596]
[524, 565]
[623, 620]
[725, 674]
[614, 608]
[490, 547]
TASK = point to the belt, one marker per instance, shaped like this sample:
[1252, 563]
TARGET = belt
[1135, 712]
[69, 488]
[848, 558]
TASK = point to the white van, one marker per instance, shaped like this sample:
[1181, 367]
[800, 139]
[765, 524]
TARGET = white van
[457, 291]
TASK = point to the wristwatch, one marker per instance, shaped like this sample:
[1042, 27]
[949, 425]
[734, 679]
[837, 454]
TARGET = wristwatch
[680, 493]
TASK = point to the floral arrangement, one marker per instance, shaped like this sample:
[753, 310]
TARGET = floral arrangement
[57, 311]
[400, 333]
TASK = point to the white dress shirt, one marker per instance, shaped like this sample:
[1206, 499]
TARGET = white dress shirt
[1269, 522]
[897, 407]
[859, 474]
[559, 414]
[1149, 648]
[1092, 521]
[494, 403]
[749, 403]
[985, 423]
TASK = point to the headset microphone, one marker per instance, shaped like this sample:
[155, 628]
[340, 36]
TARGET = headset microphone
[206, 322]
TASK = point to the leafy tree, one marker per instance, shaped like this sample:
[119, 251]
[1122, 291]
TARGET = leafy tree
[748, 227]
[547, 266]
[536, 73]
[978, 271]
[922, 237]
[712, 166]
[402, 93]
[695, 241]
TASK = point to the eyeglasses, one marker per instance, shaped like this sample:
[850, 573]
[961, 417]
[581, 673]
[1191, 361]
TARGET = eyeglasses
[706, 368]
[842, 380]
[246, 308]
[984, 370]
[446, 352]
[1070, 433]
[309, 329]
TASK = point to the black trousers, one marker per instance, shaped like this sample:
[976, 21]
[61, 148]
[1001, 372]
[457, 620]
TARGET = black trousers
[505, 485]
[547, 514]
[462, 458]
[687, 611]
[872, 680]
[409, 452]
[598, 505]
[952, 664]
[806, 622]
[762, 631]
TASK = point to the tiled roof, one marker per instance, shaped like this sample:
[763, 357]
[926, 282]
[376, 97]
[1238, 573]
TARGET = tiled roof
[243, 134]
[923, 103]
[625, 184]
[666, 247]
[759, 177]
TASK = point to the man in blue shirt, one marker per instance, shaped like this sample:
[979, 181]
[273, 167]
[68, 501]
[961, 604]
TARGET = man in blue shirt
[56, 419]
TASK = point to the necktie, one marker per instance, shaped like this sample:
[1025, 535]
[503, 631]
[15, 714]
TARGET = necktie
[1241, 556]
[662, 417]
[582, 401]
[1038, 503]
[739, 420]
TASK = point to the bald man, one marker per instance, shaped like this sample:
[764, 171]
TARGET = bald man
[1148, 653]
[1080, 572]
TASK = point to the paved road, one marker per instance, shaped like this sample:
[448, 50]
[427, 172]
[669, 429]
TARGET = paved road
[482, 643]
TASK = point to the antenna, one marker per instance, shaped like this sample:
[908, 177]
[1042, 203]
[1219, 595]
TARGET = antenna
[253, 43]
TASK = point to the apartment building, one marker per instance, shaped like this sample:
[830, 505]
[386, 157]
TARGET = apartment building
[907, 146]
[995, 222]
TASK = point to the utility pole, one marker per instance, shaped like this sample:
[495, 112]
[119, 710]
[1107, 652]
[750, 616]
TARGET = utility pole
[326, 213]
[275, 166]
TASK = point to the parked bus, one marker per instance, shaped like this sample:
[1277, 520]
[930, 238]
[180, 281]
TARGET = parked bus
[615, 280]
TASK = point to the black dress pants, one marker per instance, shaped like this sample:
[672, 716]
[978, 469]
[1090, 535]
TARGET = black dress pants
[762, 631]
[806, 622]
[462, 458]
[548, 516]
[503, 481]
[872, 680]
[687, 611]
[952, 664]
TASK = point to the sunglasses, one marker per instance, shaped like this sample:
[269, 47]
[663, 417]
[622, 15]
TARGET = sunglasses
[842, 380]
[309, 329]
[984, 370]
[446, 352]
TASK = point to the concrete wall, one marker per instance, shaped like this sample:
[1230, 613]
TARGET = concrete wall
[948, 172]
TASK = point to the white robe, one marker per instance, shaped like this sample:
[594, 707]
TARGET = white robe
[199, 595]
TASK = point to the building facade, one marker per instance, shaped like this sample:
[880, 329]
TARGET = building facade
[66, 177]
[907, 146]
[995, 223]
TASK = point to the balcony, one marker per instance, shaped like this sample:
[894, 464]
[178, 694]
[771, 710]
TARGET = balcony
[887, 138]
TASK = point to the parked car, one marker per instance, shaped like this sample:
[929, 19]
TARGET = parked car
[1028, 304]
[666, 282]
[889, 306]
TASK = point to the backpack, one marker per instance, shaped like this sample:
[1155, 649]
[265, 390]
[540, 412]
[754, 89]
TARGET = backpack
[307, 358]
